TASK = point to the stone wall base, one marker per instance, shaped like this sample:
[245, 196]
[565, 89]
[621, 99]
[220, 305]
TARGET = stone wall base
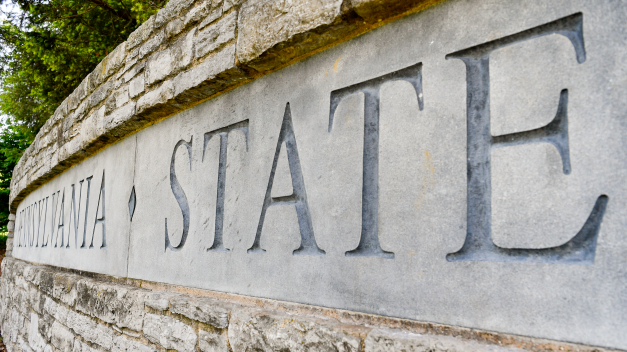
[45, 308]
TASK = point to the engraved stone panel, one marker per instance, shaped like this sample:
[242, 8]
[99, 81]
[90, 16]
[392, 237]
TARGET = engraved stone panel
[80, 219]
[463, 165]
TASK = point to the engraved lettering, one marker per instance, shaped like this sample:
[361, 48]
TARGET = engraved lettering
[180, 196]
[298, 198]
[61, 225]
[218, 245]
[43, 235]
[369, 245]
[87, 210]
[73, 209]
[100, 220]
[478, 245]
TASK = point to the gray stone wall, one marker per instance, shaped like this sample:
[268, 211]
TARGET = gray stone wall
[47, 309]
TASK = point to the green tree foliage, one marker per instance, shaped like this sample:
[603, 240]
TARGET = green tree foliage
[47, 47]
[13, 141]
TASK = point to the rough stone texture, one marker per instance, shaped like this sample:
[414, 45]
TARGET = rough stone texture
[388, 340]
[261, 331]
[270, 35]
[114, 304]
[169, 333]
[204, 310]
[214, 341]
[61, 337]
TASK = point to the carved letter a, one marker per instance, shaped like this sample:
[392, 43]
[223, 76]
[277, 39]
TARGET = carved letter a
[298, 198]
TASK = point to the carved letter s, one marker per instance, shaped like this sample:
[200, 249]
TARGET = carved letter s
[179, 194]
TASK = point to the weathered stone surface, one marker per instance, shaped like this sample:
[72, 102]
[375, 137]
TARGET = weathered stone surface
[204, 310]
[64, 288]
[263, 24]
[250, 330]
[215, 341]
[124, 344]
[214, 36]
[136, 86]
[388, 340]
[155, 102]
[209, 77]
[90, 330]
[169, 332]
[61, 337]
[80, 346]
[159, 300]
[114, 304]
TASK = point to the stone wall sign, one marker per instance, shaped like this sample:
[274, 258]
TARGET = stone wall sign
[464, 165]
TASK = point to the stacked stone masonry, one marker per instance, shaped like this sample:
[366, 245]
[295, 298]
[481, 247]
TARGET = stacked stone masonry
[47, 309]
[188, 52]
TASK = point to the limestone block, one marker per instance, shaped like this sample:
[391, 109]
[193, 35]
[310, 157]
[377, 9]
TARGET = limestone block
[202, 309]
[45, 281]
[388, 340]
[99, 95]
[151, 44]
[263, 24]
[114, 60]
[35, 340]
[171, 60]
[174, 8]
[119, 116]
[214, 341]
[169, 333]
[207, 12]
[124, 344]
[61, 337]
[214, 36]
[80, 346]
[10, 226]
[228, 4]
[136, 86]
[211, 76]
[174, 27]
[141, 34]
[64, 288]
[155, 103]
[119, 305]
[9, 243]
[258, 330]
[159, 300]
[59, 312]
[134, 71]
[90, 330]
[11, 217]
[117, 99]
[45, 326]
[158, 66]
[93, 126]
[24, 347]
[182, 51]
[37, 299]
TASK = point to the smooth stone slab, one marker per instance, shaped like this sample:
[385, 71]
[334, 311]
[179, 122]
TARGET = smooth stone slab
[38, 238]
